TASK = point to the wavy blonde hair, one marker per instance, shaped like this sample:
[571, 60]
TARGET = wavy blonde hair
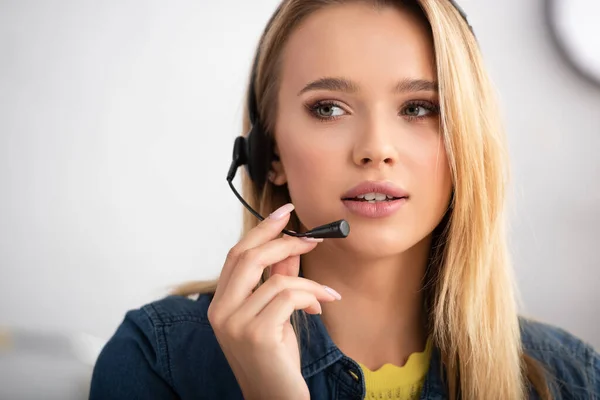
[471, 298]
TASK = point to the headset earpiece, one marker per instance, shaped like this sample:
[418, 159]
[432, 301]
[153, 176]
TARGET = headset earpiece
[260, 154]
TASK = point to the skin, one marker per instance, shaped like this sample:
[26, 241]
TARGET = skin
[373, 133]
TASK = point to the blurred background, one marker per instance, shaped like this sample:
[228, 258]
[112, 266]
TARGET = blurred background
[117, 120]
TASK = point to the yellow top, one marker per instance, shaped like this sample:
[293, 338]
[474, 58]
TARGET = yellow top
[391, 382]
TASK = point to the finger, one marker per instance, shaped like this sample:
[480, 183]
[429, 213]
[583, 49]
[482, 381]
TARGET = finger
[273, 287]
[291, 265]
[247, 273]
[288, 267]
[280, 309]
[265, 231]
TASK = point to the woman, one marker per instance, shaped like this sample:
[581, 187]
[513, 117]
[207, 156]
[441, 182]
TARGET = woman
[381, 113]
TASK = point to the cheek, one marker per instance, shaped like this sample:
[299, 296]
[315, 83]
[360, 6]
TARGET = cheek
[313, 170]
[431, 171]
[309, 167]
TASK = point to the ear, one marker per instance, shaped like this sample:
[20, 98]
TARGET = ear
[277, 174]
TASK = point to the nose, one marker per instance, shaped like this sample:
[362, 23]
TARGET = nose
[375, 146]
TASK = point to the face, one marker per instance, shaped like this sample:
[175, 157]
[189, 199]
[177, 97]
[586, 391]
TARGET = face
[358, 103]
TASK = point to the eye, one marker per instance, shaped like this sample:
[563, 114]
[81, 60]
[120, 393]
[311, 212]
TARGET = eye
[419, 109]
[326, 110]
[416, 111]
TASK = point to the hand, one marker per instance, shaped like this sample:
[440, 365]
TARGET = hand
[253, 326]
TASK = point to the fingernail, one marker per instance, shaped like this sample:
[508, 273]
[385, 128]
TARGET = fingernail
[333, 292]
[312, 240]
[282, 211]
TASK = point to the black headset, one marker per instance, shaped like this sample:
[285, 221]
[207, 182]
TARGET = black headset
[256, 150]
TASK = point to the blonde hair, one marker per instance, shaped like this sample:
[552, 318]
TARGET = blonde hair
[471, 297]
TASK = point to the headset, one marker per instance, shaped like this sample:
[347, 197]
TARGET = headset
[256, 151]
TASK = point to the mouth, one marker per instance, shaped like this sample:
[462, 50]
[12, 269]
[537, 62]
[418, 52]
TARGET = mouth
[373, 197]
[375, 191]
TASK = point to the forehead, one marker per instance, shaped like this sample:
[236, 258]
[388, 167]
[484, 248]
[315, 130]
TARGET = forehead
[361, 42]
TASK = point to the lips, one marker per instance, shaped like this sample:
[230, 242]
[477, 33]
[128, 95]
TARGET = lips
[375, 199]
[369, 188]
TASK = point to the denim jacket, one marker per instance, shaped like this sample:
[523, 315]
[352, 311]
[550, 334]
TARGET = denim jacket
[168, 350]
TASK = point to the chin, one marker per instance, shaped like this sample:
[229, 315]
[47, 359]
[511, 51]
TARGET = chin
[381, 242]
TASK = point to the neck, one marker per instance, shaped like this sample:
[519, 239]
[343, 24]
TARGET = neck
[380, 318]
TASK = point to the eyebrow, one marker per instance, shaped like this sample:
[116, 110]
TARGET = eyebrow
[347, 86]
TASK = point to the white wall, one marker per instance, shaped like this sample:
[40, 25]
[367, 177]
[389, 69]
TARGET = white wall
[116, 125]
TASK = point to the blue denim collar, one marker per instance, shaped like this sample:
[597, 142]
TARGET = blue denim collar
[317, 350]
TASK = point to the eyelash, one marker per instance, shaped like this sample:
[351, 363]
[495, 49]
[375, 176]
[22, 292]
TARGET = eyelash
[429, 106]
